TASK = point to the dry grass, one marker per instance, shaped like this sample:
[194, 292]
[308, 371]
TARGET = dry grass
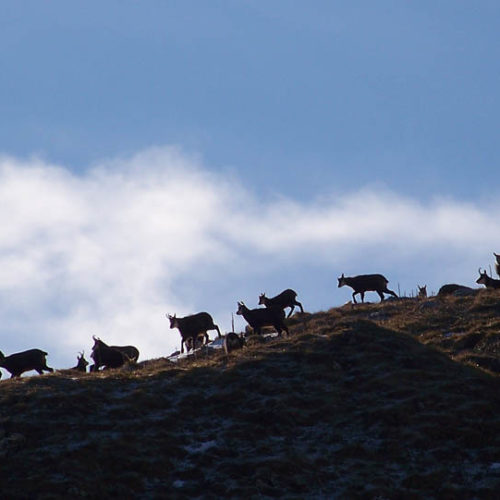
[392, 400]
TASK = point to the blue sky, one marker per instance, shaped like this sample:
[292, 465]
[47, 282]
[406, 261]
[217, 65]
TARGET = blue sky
[180, 156]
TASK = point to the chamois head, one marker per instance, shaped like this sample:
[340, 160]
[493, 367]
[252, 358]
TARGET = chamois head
[483, 278]
[82, 362]
[173, 320]
[422, 291]
[98, 343]
[342, 281]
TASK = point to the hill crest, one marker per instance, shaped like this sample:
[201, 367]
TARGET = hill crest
[378, 400]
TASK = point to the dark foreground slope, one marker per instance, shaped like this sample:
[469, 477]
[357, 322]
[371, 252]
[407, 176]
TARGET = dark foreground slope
[350, 406]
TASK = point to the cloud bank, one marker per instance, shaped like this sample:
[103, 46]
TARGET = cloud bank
[110, 251]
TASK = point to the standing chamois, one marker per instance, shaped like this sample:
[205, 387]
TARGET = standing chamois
[257, 318]
[366, 283]
[287, 298]
[190, 327]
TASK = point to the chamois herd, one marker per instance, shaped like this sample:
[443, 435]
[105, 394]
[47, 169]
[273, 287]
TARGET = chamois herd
[193, 329]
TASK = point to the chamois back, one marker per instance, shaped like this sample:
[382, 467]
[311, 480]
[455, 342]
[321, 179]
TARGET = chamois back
[287, 298]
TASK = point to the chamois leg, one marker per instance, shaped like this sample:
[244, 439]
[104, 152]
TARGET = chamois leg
[47, 368]
[354, 297]
[362, 297]
[280, 327]
[218, 331]
[297, 303]
[381, 295]
[292, 307]
[194, 338]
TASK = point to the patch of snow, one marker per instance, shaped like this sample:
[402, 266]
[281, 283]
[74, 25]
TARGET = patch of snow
[217, 343]
[451, 334]
[212, 345]
[200, 447]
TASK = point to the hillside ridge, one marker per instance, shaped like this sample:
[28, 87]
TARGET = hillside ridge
[381, 400]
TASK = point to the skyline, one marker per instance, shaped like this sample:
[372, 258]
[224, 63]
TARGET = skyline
[78, 262]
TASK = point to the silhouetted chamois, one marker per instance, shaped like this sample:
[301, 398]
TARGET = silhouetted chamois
[451, 288]
[190, 327]
[366, 283]
[130, 351]
[287, 298]
[258, 318]
[488, 282]
[18, 363]
[104, 355]
[233, 341]
[82, 363]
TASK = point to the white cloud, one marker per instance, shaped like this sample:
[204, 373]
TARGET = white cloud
[110, 251]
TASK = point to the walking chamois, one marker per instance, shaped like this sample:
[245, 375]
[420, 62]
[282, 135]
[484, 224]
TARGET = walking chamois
[366, 283]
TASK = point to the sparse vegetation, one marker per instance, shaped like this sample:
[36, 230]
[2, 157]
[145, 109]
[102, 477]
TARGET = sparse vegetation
[398, 399]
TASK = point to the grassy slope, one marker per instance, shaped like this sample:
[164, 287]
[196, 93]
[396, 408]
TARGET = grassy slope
[393, 400]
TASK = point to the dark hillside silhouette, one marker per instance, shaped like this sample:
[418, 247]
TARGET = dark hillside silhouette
[381, 400]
